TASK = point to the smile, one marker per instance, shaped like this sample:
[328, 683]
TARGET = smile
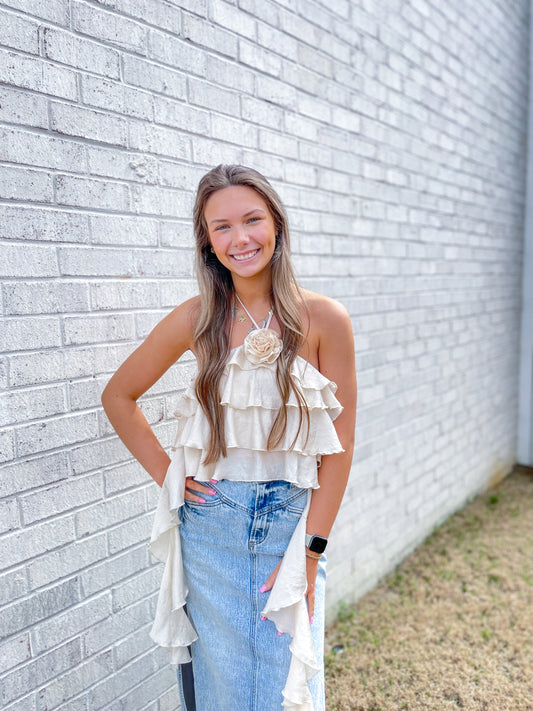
[244, 257]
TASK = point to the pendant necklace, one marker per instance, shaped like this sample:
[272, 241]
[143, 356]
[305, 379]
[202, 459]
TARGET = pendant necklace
[266, 320]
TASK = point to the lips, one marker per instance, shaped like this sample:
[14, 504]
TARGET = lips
[245, 256]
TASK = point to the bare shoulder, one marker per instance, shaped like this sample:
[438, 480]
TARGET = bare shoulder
[181, 321]
[328, 316]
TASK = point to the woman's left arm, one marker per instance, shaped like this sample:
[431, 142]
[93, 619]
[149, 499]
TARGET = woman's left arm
[336, 358]
[337, 363]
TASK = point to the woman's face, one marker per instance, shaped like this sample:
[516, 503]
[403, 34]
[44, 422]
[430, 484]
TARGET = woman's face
[241, 230]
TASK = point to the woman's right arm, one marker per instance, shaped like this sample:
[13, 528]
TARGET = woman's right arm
[164, 345]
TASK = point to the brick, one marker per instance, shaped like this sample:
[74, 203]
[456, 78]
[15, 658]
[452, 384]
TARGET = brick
[48, 225]
[119, 230]
[25, 184]
[148, 75]
[61, 497]
[37, 472]
[77, 557]
[76, 679]
[261, 112]
[160, 140]
[104, 634]
[80, 330]
[112, 569]
[228, 129]
[176, 53]
[177, 234]
[57, 432]
[130, 533]
[30, 676]
[108, 689]
[273, 142]
[276, 92]
[109, 163]
[40, 605]
[209, 153]
[203, 93]
[224, 14]
[9, 516]
[80, 53]
[83, 192]
[15, 651]
[178, 115]
[29, 333]
[87, 124]
[156, 200]
[145, 585]
[20, 260]
[53, 10]
[134, 645]
[177, 175]
[25, 297]
[271, 38]
[207, 35]
[108, 26]
[258, 58]
[124, 295]
[40, 150]
[115, 96]
[34, 403]
[31, 73]
[13, 585]
[70, 623]
[77, 261]
[19, 33]
[230, 73]
[109, 512]
[21, 107]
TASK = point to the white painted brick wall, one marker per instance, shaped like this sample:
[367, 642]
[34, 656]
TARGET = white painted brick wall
[395, 132]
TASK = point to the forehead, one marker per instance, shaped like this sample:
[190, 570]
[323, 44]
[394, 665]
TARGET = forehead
[235, 198]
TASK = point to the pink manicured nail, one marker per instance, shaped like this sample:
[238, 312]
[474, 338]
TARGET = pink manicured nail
[202, 501]
[213, 481]
[263, 618]
[311, 620]
[263, 588]
[212, 491]
[280, 634]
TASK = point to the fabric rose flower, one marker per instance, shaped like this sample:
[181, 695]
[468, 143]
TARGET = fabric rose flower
[262, 346]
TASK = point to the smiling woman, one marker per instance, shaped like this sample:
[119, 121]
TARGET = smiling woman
[260, 461]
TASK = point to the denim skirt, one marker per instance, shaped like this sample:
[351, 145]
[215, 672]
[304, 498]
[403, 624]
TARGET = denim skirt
[230, 546]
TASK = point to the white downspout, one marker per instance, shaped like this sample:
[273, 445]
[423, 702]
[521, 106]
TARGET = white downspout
[525, 403]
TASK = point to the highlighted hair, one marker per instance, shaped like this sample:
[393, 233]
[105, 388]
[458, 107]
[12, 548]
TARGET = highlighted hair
[211, 337]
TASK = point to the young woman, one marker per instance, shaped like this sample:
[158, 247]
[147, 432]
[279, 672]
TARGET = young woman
[260, 461]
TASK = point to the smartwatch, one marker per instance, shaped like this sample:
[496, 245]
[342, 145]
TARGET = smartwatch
[316, 544]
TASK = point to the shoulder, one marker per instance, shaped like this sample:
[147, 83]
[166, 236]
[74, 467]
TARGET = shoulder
[179, 324]
[327, 316]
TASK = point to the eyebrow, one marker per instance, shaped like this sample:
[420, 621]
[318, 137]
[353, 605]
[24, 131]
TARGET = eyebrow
[225, 219]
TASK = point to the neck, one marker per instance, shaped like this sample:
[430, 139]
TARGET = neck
[254, 291]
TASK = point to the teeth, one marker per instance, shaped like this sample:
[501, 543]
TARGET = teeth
[241, 257]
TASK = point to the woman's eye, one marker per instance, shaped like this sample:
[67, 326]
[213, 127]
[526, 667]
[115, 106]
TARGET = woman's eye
[220, 227]
[254, 219]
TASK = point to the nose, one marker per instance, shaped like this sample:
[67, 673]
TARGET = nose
[241, 236]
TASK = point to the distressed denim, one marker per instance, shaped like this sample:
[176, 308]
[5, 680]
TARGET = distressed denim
[230, 545]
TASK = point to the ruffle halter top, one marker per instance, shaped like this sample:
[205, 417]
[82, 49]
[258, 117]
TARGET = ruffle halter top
[250, 401]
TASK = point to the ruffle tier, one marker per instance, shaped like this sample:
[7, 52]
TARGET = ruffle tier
[250, 397]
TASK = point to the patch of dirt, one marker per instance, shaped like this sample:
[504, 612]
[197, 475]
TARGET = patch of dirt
[452, 626]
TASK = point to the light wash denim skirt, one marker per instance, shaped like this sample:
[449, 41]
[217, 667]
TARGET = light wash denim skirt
[230, 546]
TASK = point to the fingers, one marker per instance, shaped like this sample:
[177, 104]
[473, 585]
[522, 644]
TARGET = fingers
[311, 602]
[312, 569]
[197, 490]
[271, 579]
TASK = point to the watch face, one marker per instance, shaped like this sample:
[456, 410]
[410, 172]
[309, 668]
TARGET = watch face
[317, 544]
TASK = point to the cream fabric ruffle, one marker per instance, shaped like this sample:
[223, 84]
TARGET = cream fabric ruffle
[250, 398]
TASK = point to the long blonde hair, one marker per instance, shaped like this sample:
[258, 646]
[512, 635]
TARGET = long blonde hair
[211, 336]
